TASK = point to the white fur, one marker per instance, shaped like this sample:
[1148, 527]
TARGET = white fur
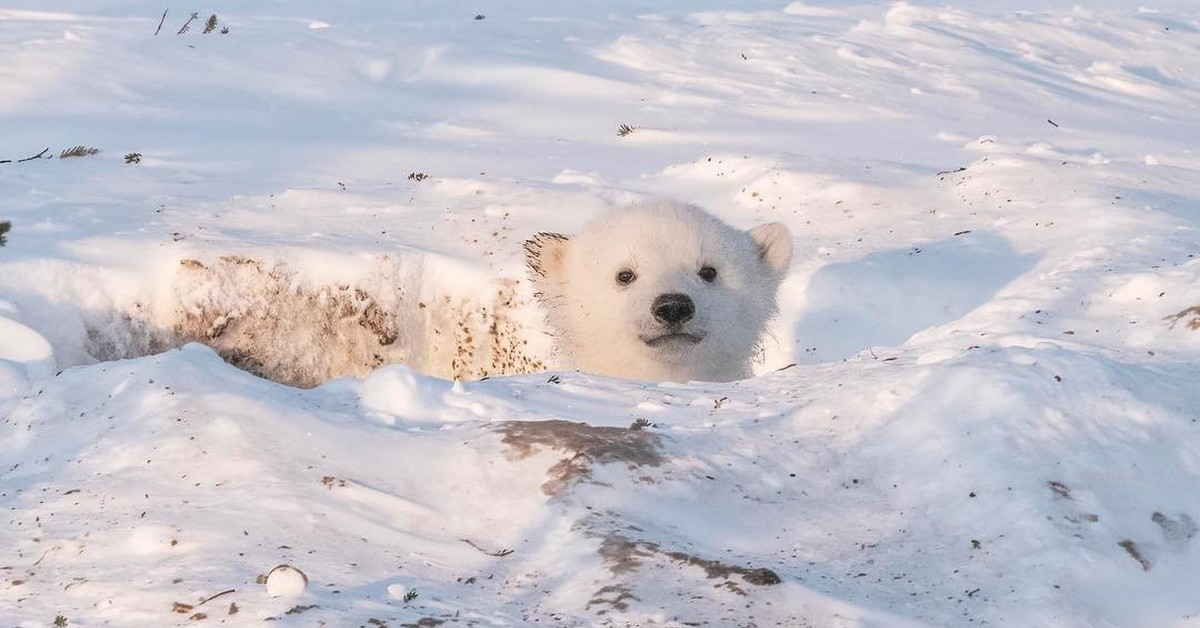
[602, 326]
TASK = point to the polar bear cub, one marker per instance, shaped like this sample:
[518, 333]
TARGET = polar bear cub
[660, 291]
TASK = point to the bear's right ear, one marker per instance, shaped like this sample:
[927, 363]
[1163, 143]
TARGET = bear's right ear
[544, 254]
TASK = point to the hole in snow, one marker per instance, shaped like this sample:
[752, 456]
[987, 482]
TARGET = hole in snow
[266, 318]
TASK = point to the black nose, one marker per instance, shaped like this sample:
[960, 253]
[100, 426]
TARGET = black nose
[673, 309]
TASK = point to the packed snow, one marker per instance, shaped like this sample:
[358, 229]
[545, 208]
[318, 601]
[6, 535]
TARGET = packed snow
[271, 353]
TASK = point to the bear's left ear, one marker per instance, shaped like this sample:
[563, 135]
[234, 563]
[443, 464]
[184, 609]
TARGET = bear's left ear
[544, 255]
[774, 244]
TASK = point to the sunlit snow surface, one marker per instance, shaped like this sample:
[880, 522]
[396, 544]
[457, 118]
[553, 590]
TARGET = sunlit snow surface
[992, 413]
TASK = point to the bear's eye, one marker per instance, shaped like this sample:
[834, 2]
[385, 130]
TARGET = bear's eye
[626, 277]
[708, 273]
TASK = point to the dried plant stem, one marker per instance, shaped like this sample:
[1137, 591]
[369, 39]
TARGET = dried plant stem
[183, 29]
[160, 22]
[32, 157]
[215, 596]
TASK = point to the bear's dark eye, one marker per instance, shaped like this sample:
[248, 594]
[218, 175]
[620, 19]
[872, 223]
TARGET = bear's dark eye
[708, 273]
[626, 277]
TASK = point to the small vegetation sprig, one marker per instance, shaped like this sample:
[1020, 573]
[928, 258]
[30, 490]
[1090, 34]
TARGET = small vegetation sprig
[188, 24]
[641, 424]
[78, 151]
[624, 130]
[133, 158]
[210, 24]
[5, 227]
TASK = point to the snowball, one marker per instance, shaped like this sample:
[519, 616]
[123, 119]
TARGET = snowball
[286, 580]
[397, 591]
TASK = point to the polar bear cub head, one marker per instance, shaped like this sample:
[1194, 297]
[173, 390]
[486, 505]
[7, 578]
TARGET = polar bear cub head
[660, 291]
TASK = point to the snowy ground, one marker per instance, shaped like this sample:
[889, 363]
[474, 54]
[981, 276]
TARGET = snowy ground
[993, 416]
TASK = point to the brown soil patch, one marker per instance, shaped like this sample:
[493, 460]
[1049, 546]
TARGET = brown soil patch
[1190, 317]
[588, 444]
[623, 555]
[614, 596]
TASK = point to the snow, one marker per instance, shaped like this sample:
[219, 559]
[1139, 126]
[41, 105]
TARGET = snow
[978, 404]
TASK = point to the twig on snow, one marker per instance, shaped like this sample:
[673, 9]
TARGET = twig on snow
[37, 156]
[186, 25]
[497, 554]
[215, 596]
[160, 22]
